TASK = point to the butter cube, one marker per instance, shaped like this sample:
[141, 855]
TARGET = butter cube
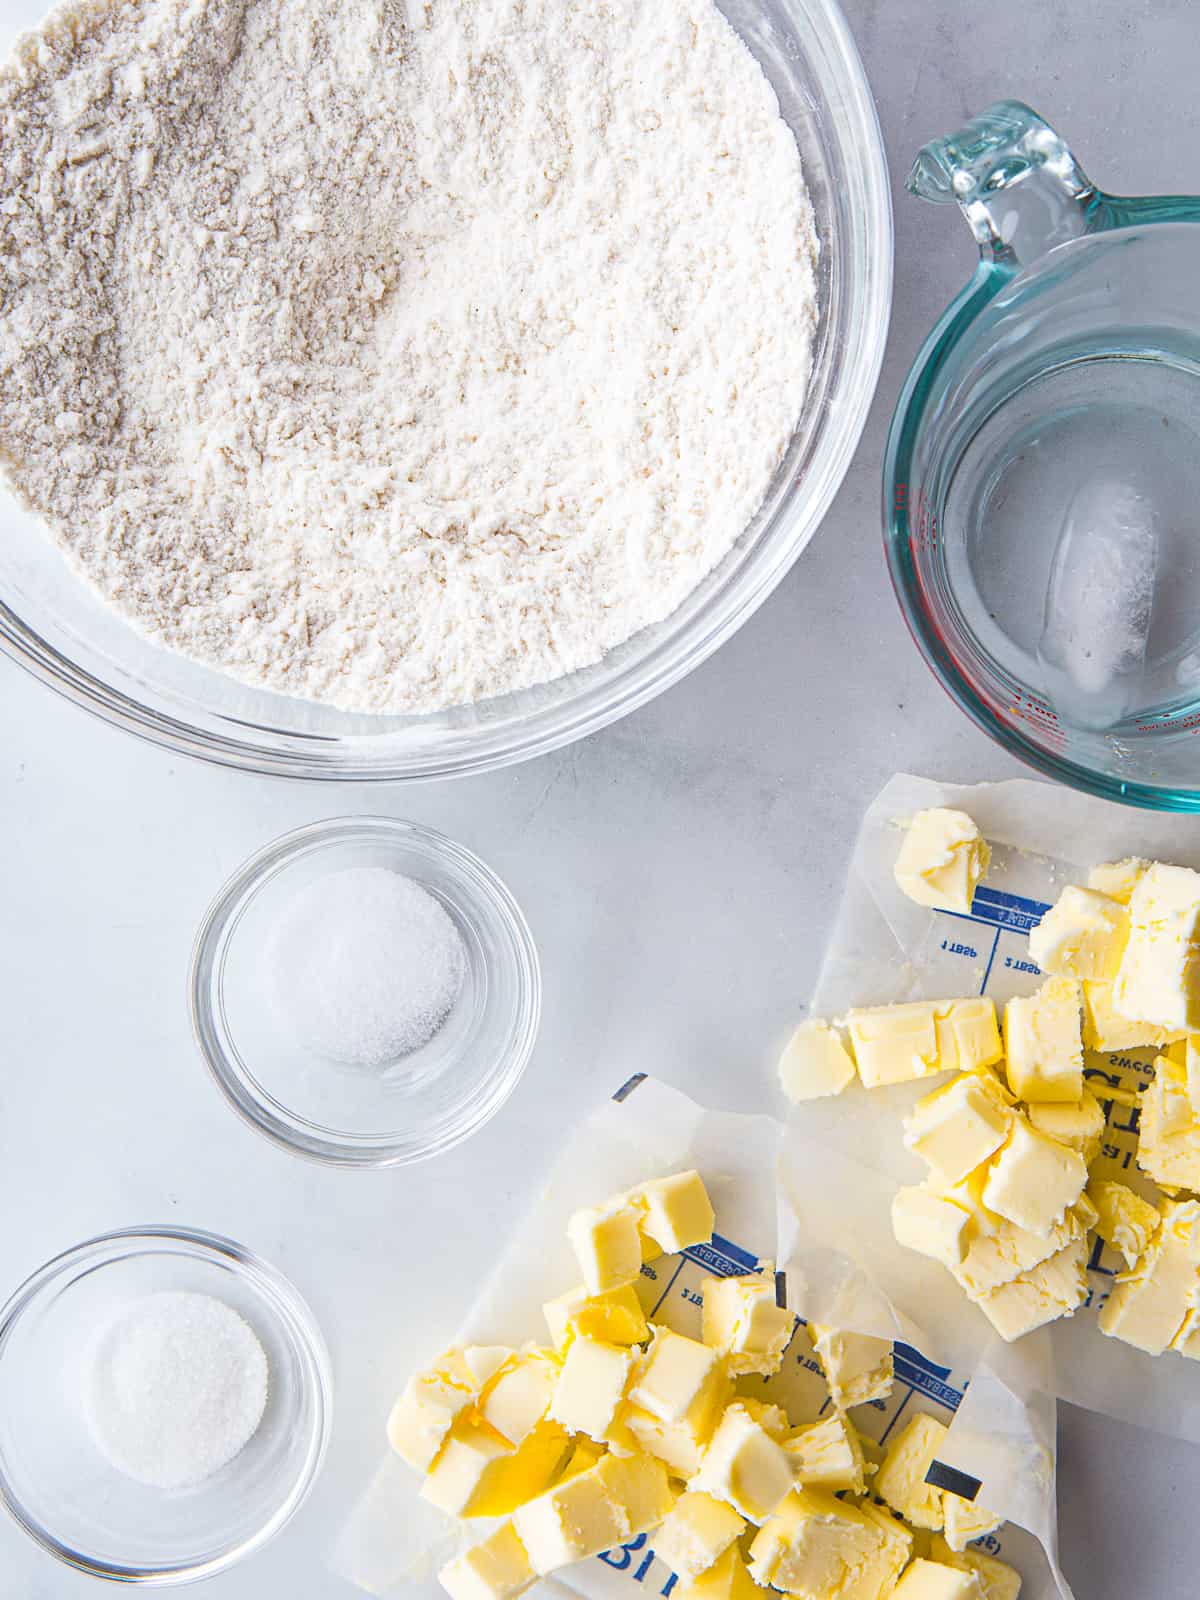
[497, 1569]
[607, 1243]
[817, 1545]
[1149, 1306]
[479, 1474]
[815, 1062]
[1106, 1030]
[678, 1379]
[931, 1225]
[996, 1579]
[744, 1466]
[898, 1044]
[1000, 1251]
[640, 1485]
[1123, 1219]
[932, 1580]
[942, 859]
[968, 1035]
[590, 1391]
[1083, 936]
[482, 1361]
[858, 1367]
[1118, 879]
[613, 1318]
[901, 1479]
[956, 1128]
[679, 1445]
[696, 1533]
[1159, 976]
[1081, 1126]
[726, 1579]
[576, 1518]
[1044, 1045]
[1055, 1288]
[676, 1212]
[1034, 1179]
[1169, 1138]
[828, 1455]
[427, 1408]
[743, 1322]
[772, 1418]
[517, 1398]
[966, 1520]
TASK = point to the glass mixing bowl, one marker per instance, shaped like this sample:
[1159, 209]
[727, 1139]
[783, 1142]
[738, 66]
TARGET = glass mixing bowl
[53, 624]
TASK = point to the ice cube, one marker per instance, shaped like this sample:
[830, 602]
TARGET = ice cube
[1100, 603]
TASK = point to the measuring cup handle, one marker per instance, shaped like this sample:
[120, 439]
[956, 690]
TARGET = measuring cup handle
[1018, 184]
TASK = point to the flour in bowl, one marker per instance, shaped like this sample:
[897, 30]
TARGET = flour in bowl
[390, 354]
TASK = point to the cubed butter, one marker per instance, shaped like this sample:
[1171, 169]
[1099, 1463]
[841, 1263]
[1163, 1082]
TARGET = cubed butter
[679, 1445]
[966, 1520]
[744, 1466]
[590, 1392]
[742, 1320]
[1123, 1219]
[727, 1579]
[613, 1318]
[942, 859]
[858, 1367]
[933, 1580]
[427, 1408]
[816, 1545]
[1191, 1067]
[1149, 1306]
[1081, 1125]
[479, 1474]
[1118, 879]
[997, 1579]
[517, 1398]
[640, 1485]
[957, 1127]
[1053, 1289]
[497, 1569]
[828, 1455]
[679, 1379]
[968, 1035]
[1082, 936]
[607, 1243]
[576, 1518]
[931, 1225]
[901, 1479]
[1169, 1133]
[1106, 1030]
[696, 1533]
[1000, 1251]
[772, 1418]
[1159, 977]
[676, 1212]
[1044, 1047]
[919, 1039]
[815, 1062]
[1033, 1179]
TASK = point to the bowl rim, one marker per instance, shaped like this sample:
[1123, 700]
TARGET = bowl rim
[273, 1289]
[388, 758]
[272, 1120]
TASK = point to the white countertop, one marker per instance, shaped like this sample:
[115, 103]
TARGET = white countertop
[680, 872]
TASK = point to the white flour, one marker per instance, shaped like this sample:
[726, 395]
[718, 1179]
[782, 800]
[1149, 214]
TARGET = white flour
[396, 354]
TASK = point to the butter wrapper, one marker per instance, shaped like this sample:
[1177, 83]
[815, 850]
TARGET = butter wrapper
[776, 1200]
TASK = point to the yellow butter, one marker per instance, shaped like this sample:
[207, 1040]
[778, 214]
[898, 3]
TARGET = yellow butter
[679, 1379]
[1000, 1251]
[1055, 1288]
[815, 1062]
[576, 1518]
[931, 1224]
[934, 1580]
[675, 1212]
[1107, 1031]
[857, 1366]
[614, 1318]
[1159, 977]
[1149, 1306]
[745, 1466]
[1169, 1138]
[679, 1445]
[1117, 879]
[517, 1398]
[942, 859]
[816, 1544]
[1123, 1219]
[726, 1579]
[640, 1485]
[1079, 1125]
[1033, 1179]
[919, 1039]
[966, 1520]
[901, 1479]
[742, 1320]
[957, 1127]
[427, 1408]
[1043, 1043]
[997, 1579]
[696, 1533]
[1083, 936]
[497, 1569]
[607, 1243]
[590, 1391]
[479, 1474]
[828, 1455]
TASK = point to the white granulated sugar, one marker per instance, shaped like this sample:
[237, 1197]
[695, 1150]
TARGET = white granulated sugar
[177, 1388]
[397, 354]
[365, 965]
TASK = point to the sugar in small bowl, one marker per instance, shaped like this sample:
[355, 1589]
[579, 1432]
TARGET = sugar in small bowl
[165, 1403]
[365, 992]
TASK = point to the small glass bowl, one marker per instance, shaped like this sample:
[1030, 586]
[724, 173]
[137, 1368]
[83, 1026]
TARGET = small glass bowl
[58, 1484]
[344, 1115]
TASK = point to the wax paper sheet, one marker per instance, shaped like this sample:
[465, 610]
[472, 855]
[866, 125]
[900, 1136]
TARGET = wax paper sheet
[769, 1186]
[885, 949]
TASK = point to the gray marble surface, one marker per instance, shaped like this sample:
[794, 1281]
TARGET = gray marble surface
[680, 872]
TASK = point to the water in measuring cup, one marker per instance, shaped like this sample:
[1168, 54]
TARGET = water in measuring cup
[1072, 536]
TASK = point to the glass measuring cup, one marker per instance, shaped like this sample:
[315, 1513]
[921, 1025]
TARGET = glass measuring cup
[1042, 480]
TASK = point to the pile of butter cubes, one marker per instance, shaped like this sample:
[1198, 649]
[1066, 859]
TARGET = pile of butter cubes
[620, 1427]
[1008, 1206]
